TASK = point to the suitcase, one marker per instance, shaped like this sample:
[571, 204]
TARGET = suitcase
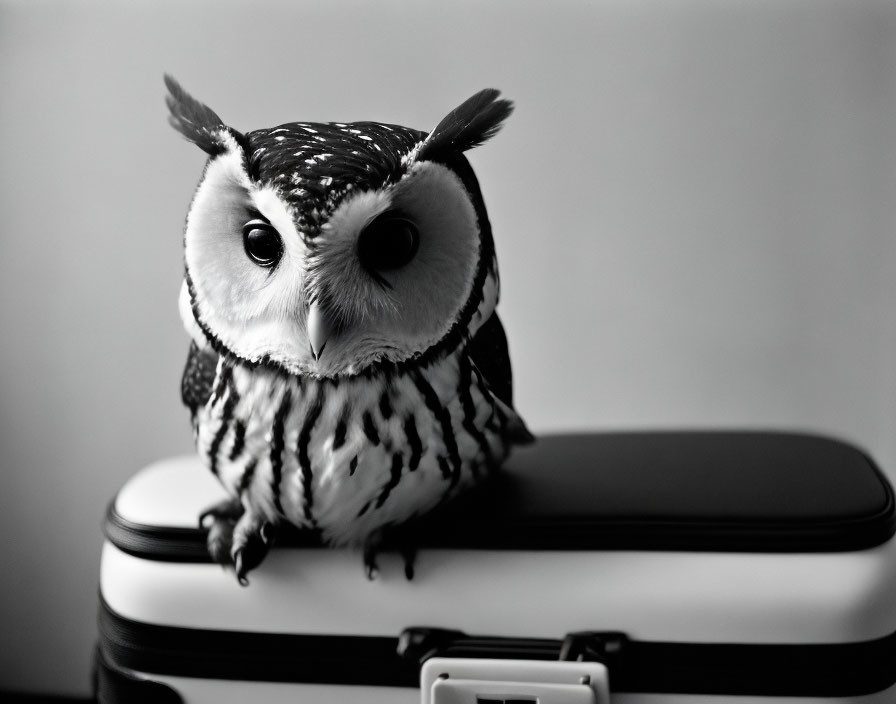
[632, 568]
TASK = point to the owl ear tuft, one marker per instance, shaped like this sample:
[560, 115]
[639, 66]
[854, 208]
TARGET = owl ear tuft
[470, 124]
[196, 121]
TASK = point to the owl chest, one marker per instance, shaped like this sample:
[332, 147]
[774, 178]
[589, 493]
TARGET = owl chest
[348, 458]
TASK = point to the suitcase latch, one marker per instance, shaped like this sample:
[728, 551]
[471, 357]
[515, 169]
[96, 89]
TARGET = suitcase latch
[485, 681]
[461, 669]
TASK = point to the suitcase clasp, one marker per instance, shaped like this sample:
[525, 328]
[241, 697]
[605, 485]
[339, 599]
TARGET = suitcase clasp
[461, 669]
[486, 681]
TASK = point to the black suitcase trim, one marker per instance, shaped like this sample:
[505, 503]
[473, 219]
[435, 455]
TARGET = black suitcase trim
[806, 670]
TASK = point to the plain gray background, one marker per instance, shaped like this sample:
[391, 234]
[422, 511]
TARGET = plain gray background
[693, 208]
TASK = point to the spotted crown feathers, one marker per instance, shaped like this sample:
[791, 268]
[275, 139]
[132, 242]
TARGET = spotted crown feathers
[369, 153]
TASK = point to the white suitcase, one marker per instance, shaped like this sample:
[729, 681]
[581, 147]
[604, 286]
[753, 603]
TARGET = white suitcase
[632, 568]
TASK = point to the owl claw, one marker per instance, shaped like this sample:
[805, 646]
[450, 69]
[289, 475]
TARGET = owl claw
[220, 540]
[239, 570]
[267, 532]
[375, 543]
[219, 520]
[237, 537]
[371, 569]
[252, 537]
[409, 555]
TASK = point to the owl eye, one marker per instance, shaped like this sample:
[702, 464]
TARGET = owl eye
[262, 243]
[389, 242]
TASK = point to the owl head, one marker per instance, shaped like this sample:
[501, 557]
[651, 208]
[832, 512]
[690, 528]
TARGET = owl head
[336, 248]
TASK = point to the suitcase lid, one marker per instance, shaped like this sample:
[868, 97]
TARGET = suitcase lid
[720, 491]
[692, 491]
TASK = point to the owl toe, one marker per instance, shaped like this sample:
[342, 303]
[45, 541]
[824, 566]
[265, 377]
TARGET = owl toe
[371, 549]
[409, 555]
[252, 538]
[220, 540]
[390, 538]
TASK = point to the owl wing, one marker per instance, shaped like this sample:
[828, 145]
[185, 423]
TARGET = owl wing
[199, 376]
[488, 350]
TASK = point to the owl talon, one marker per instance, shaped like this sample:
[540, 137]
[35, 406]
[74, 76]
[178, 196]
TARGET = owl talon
[237, 537]
[240, 569]
[409, 555]
[220, 520]
[247, 557]
[252, 537]
[240, 572]
[378, 540]
[371, 548]
[268, 532]
[371, 568]
[220, 540]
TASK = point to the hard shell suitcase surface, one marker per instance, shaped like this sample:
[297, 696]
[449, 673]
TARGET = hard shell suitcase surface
[632, 568]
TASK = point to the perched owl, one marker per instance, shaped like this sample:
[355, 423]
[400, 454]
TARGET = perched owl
[347, 371]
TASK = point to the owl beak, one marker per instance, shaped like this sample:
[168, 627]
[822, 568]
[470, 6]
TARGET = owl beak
[319, 330]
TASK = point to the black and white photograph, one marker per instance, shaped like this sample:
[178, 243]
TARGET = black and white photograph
[459, 352]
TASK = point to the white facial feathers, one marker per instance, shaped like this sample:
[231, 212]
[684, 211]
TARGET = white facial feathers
[376, 315]
[336, 277]
[399, 312]
[253, 311]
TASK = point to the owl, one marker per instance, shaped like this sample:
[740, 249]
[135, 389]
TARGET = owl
[347, 372]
